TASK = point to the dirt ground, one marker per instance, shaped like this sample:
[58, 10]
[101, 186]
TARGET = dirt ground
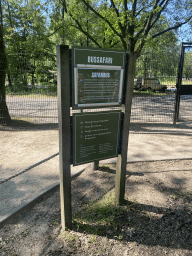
[156, 218]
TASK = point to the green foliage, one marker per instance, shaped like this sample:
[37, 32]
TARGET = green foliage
[187, 68]
[115, 24]
[28, 48]
[33, 28]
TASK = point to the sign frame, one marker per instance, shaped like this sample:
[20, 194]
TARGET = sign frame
[104, 60]
[101, 67]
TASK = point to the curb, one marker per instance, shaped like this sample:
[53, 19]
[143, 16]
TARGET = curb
[29, 203]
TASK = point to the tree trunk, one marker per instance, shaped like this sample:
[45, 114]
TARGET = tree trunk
[4, 113]
[9, 80]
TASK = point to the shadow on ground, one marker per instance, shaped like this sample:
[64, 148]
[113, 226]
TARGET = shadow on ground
[156, 215]
[22, 125]
[184, 128]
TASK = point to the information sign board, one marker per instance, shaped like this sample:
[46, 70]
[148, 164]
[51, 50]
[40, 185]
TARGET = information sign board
[95, 136]
[97, 77]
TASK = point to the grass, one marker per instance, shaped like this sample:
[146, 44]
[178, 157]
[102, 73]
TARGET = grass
[32, 94]
[106, 168]
[181, 196]
[172, 81]
[168, 81]
[150, 93]
[101, 217]
[71, 238]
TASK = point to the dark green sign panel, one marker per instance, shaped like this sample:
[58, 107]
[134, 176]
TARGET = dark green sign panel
[95, 136]
[91, 56]
[97, 77]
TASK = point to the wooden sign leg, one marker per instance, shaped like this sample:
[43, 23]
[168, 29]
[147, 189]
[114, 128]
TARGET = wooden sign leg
[63, 83]
[122, 158]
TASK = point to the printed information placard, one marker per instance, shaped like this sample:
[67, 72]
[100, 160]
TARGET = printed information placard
[95, 136]
[97, 77]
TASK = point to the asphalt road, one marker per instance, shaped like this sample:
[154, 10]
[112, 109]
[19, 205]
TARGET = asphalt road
[41, 109]
[37, 109]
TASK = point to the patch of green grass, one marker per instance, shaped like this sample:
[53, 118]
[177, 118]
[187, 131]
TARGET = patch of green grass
[168, 81]
[106, 168]
[186, 195]
[180, 195]
[150, 93]
[71, 239]
[35, 93]
[119, 237]
[92, 239]
[102, 216]
[99, 214]
[173, 196]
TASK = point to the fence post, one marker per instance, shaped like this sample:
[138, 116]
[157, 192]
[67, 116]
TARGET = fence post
[178, 85]
[177, 104]
[96, 165]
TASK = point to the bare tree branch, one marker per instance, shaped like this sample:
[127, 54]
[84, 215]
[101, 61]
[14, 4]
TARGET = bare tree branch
[134, 4]
[116, 10]
[131, 27]
[55, 31]
[79, 27]
[118, 16]
[103, 18]
[125, 5]
[147, 28]
[172, 28]
[147, 25]
[160, 12]
[138, 13]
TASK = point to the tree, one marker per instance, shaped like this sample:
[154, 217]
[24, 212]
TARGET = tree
[129, 22]
[4, 113]
[63, 29]
[160, 58]
[24, 35]
[187, 67]
[26, 29]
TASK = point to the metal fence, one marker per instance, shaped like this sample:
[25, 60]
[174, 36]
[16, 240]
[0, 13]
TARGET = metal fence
[37, 109]
[31, 88]
[31, 93]
[153, 109]
[184, 84]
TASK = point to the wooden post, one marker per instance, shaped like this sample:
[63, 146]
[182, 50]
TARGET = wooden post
[96, 165]
[122, 158]
[63, 83]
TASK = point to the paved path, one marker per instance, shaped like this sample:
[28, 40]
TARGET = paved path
[20, 184]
